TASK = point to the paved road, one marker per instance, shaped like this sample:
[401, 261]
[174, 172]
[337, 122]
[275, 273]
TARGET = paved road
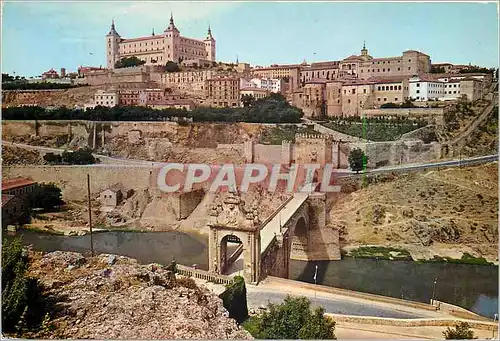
[408, 167]
[259, 297]
[117, 161]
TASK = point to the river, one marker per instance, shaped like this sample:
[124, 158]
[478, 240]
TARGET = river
[474, 287]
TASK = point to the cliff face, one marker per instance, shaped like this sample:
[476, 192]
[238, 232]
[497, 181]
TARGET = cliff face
[114, 297]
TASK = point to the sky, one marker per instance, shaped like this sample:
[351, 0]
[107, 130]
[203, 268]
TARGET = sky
[37, 36]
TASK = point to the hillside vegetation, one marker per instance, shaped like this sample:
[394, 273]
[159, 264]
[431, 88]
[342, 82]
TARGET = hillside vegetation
[445, 212]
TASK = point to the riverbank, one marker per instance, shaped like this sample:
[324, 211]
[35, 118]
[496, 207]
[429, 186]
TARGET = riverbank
[441, 255]
[446, 254]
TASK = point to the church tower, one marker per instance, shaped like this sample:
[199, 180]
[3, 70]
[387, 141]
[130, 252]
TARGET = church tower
[112, 46]
[364, 53]
[172, 42]
[210, 45]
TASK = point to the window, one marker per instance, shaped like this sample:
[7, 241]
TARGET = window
[385, 99]
[396, 99]
[418, 91]
[378, 88]
[399, 69]
[348, 101]
[378, 99]
[392, 87]
[418, 85]
[353, 91]
[364, 91]
[383, 70]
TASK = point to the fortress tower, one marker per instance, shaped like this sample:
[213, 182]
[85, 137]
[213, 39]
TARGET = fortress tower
[158, 49]
[112, 46]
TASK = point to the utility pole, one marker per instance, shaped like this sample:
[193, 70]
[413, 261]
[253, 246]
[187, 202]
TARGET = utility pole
[433, 291]
[495, 319]
[315, 278]
[90, 217]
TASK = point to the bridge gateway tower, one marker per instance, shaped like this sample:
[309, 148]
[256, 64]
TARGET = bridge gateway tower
[231, 221]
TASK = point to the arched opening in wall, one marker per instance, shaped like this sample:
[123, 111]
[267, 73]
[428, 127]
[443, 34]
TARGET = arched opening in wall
[300, 236]
[231, 255]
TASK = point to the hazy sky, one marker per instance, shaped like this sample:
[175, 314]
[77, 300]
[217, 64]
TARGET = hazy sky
[37, 36]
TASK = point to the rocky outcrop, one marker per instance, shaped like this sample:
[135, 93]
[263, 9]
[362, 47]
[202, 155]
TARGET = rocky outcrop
[114, 297]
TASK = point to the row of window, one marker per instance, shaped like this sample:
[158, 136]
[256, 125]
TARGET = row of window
[389, 87]
[22, 190]
[388, 61]
[107, 103]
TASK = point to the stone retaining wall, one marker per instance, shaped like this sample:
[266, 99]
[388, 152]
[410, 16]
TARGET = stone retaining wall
[427, 322]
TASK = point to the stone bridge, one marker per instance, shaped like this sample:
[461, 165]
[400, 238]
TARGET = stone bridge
[264, 248]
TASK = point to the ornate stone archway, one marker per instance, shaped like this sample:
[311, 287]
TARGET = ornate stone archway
[230, 218]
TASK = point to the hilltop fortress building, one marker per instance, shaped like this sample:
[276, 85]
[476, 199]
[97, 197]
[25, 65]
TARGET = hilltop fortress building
[160, 48]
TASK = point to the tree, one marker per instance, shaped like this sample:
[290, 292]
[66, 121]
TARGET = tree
[52, 159]
[292, 319]
[357, 160]
[461, 332]
[437, 69]
[46, 196]
[389, 105]
[129, 62]
[23, 302]
[247, 100]
[407, 104]
[172, 67]
[235, 299]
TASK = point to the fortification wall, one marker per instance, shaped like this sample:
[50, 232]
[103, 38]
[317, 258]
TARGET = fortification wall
[17, 128]
[267, 153]
[392, 153]
[73, 179]
[432, 115]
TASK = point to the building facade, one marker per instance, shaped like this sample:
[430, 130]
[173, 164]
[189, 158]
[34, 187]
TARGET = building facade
[158, 49]
[255, 92]
[424, 89]
[223, 92]
[106, 98]
[364, 66]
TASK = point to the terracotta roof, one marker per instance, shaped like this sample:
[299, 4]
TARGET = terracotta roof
[6, 198]
[388, 79]
[16, 183]
[116, 187]
[253, 89]
[316, 81]
[159, 36]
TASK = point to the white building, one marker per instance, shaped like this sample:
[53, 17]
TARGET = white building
[270, 84]
[423, 89]
[106, 98]
[451, 90]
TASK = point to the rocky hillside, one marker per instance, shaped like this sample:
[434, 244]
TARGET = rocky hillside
[114, 297]
[68, 98]
[19, 156]
[439, 212]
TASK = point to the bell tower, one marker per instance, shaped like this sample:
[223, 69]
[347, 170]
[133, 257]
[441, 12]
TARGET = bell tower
[210, 45]
[112, 46]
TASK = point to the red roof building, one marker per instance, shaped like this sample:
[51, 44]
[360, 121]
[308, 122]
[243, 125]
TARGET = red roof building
[17, 186]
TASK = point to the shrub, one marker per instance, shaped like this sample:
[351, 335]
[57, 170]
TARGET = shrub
[235, 299]
[46, 196]
[23, 301]
[293, 319]
[357, 160]
[186, 282]
[461, 332]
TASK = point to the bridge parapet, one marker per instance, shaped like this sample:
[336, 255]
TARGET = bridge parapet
[202, 274]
